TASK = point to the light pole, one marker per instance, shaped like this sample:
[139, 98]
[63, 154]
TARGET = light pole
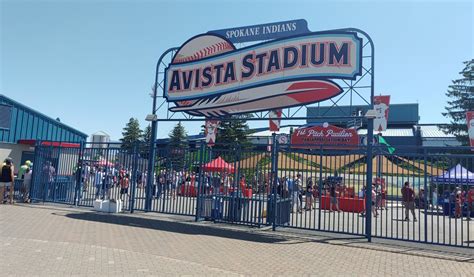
[153, 118]
[370, 115]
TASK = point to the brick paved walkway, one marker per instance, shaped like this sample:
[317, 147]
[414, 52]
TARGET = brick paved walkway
[59, 241]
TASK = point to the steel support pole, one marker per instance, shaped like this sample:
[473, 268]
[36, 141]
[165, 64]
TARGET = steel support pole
[368, 198]
[275, 179]
[151, 165]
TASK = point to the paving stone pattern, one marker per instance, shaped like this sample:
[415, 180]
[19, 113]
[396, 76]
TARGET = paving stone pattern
[49, 240]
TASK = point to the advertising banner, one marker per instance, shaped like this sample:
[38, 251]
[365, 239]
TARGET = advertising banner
[275, 118]
[328, 136]
[470, 127]
[381, 105]
[209, 77]
[211, 132]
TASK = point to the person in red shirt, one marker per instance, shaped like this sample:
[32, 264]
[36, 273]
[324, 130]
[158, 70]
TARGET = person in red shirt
[242, 184]
[408, 198]
[470, 203]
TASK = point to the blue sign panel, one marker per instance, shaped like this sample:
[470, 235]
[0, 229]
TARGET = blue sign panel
[5, 116]
[264, 31]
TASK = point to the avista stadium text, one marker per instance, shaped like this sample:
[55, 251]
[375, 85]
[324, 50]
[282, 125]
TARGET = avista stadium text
[241, 66]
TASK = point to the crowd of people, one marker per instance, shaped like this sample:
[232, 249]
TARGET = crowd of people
[98, 180]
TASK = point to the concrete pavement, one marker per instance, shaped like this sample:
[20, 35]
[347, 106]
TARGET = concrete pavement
[49, 240]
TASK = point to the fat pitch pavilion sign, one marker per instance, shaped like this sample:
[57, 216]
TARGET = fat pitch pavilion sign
[209, 76]
[331, 137]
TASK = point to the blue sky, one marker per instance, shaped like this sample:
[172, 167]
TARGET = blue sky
[92, 63]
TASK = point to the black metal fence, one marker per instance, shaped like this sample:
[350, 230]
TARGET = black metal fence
[279, 185]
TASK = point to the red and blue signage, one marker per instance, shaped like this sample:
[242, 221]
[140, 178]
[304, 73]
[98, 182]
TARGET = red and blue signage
[209, 76]
[325, 136]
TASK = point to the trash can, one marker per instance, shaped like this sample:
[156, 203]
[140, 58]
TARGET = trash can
[212, 207]
[283, 209]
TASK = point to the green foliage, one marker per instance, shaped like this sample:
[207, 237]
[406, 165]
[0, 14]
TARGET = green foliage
[232, 132]
[461, 93]
[146, 135]
[131, 134]
[178, 146]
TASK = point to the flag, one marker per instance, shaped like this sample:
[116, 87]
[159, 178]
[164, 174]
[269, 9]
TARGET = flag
[470, 126]
[390, 148]
[274, 118]
[381, 105]
[211, 131]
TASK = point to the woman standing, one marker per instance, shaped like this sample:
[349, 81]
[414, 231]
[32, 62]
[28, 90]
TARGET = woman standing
[7, 179]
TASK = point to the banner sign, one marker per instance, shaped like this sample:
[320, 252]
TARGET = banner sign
[211, 131]
[328, 136]
[381, 105]
[209, 76]
[470, 127]
[264, 31]
[275, 118]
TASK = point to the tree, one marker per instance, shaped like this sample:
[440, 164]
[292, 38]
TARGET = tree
[146, 135]
[461, 93]
[144, 147]
[233, 131]
[131, 134]
[177, 146]
[230, 134]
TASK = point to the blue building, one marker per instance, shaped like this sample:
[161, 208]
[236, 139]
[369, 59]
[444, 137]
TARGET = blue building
[21, 127]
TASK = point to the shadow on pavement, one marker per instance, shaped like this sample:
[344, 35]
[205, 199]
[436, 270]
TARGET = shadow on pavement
[175, 227]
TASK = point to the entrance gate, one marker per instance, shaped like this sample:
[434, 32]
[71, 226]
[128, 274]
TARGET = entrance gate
[234, 184]
[278, 185]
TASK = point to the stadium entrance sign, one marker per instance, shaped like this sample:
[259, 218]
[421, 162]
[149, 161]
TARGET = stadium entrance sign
[209, 76]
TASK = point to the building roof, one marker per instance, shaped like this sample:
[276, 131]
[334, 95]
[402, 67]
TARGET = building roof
[399, 114]
[433, 131]
[405, 132]
[268, 133]
[12, 102]
[100, 133]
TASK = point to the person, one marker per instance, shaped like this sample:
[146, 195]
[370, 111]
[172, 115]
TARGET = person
[361, 195]
[378, 196]
[421, 198]
[22, 170]
[227, 183]
[160, 184]
[98, 181]
[26, 185]
[242, 184]
[124, 184]
[48, 179]
[374, 203]
[434, 199]
[309, 194]
[293, 191]
[470, 203]
[299, 192]
[408, 201]
[333, 197]
[458, 204]
[7, 179]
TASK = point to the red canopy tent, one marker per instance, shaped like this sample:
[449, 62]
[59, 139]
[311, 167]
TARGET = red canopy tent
[217, 165]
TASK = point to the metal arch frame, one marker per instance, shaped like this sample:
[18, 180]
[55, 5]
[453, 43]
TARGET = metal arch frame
[288, 116]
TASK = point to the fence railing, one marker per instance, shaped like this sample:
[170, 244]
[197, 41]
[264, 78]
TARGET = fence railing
[279, 185]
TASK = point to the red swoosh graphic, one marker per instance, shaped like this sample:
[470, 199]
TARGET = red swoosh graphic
[312, 91]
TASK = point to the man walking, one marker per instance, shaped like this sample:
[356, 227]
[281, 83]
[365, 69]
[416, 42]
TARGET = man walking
[408, 198]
